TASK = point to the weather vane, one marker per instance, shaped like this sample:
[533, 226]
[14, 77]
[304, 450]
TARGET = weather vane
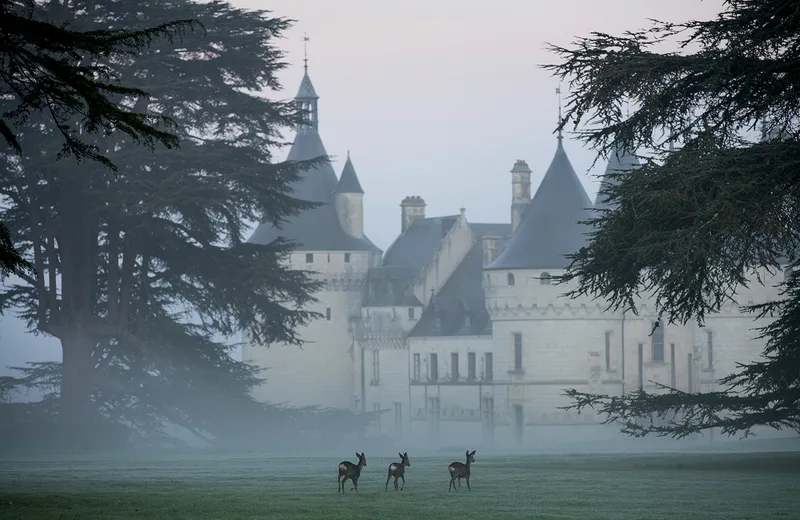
[305, 51]
[558, 93]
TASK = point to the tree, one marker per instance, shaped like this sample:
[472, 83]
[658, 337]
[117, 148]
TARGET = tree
[129, 258]
[56, 70]
[693, 224]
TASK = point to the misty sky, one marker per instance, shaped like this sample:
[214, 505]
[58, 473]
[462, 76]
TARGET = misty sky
[432, 98]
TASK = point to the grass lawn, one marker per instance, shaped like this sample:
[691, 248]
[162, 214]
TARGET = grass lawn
[685, 486]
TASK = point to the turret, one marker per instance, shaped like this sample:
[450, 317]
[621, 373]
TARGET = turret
[349, 201]
[412, 208]
[520, 192]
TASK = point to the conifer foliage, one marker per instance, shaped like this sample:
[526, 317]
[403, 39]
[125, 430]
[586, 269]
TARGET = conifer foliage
[693, 223]
[141, 269]
[45, 69]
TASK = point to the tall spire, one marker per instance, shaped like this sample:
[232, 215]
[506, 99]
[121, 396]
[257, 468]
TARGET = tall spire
[558, 93]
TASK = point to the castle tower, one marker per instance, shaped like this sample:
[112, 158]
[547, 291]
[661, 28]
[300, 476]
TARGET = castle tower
[520, 192]
[331, 242]
[620, 162]
[349, 201]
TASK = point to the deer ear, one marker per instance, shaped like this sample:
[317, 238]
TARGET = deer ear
[362, 454]
[473, 452]
[357, 455]
[401, 455]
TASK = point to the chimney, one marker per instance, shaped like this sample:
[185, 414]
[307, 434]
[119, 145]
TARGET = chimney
[520, 192]
[412, 208]
[491, 248]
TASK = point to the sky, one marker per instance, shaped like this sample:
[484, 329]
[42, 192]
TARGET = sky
[431, 98]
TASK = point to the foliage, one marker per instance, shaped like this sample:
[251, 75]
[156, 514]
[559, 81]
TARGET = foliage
[695, 224]
[142, 269]
[56, 70]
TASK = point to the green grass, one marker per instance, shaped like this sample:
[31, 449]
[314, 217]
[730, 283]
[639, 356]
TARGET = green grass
[685, 486]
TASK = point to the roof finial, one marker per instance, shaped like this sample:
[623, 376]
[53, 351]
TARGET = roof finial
[348, 154]
[305, 52]
[558, 93]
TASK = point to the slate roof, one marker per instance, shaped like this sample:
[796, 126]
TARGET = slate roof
[348, 182]
[621, 161]
[317, 229]
[389, 284]
[549, 228]
[460, 304]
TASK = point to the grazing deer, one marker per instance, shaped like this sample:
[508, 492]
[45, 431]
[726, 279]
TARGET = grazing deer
[351, 471]
[398, 471]
[459, 470]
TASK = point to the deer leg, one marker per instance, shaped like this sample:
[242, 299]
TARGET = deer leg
[404, 483]
[453, 483]
[395, 482]
[469, 488]
[339, 482]
[386, 488]
[459, 483]
[355, 484]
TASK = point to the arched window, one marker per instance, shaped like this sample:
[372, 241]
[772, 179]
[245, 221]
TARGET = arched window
[510, 277]
[545, 279]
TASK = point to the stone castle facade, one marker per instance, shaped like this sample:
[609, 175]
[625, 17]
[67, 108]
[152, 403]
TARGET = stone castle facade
[456, 331]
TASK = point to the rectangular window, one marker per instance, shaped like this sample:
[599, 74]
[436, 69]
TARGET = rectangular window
[454, 367]
[347, 258]
[517, 351]
[398, 417]
[471, 366]
[608, 351]
[710, 348]
[376, 368]
[411, 313]
[376, 407]
[417, 367]
[658, 343]
[309, 258]
[488, 369]
[434, 368]
[328, 314]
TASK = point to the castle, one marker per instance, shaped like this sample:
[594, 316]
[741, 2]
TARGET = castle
[457, 332]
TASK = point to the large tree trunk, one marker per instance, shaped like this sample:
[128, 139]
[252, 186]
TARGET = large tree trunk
[76, 412]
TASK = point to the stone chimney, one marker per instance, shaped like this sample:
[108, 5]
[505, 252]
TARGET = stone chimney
[491, 248]
[412, 208]
[520, 192]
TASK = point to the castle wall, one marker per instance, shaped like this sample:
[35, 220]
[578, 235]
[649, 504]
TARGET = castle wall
[323, 371]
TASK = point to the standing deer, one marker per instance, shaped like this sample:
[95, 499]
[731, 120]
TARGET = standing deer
[351, 471]
[398, 471]
[459, 470]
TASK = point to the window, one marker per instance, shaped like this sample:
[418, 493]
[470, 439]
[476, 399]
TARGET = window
[434, 368]
[488, 369]
[309, 258]
[328, 314]
[416, 373]
[376, 367]
[347, 258]
[517, 351]
[545, 279]
[658, 343]
[398, 417]
[329, 258]
[468, 321]
[510, 277]
[608, 351]
[454, 366]
[710, 348]
[518, 422]
[471, 366]
[376, 407]
[411, 313]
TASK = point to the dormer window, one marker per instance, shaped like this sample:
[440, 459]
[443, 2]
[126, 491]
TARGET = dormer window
[347, 258]
[510, 277]
[411, 313]
[545, 279]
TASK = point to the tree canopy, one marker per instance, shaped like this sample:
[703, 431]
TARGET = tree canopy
[712, 206]
[143, 269]
[55, 70]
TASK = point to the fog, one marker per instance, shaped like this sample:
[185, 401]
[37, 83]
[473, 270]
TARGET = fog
[410, 134]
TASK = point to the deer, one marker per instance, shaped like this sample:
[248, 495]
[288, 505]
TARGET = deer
[351, 471]
[398, 471]
[459, 470]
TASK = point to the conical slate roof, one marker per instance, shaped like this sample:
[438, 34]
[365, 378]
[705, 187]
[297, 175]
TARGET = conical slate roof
[619, 162]
[306, 90]
[316, 229]
[348, 183]
[549, 228]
